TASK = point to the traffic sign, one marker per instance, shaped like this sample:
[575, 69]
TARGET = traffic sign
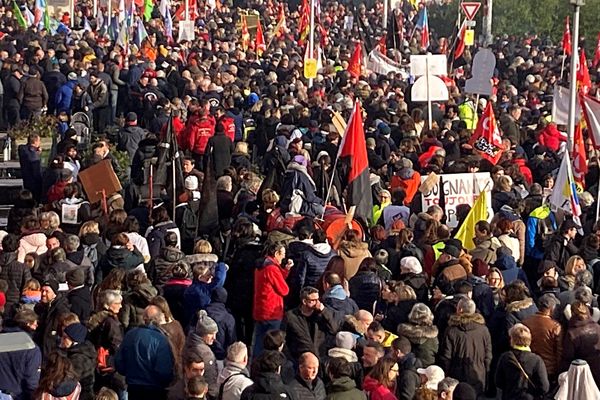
[470, 9]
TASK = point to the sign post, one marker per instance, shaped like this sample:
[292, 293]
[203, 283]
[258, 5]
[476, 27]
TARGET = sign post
[429, 87]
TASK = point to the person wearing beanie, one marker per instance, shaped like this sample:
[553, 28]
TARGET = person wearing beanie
[226, 334]
[200, 341]
[51, 306]
[447, 269]
[130, 136]
[411, 273]
[79, 295]
[82, 355]
[145, 358]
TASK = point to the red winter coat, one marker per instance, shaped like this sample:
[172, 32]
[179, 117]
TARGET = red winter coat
[551, 137]
[228, 127]
[178, 129]
[270, 288]
[524, 170]
[57, 191]
[197, 131]
[376, 391]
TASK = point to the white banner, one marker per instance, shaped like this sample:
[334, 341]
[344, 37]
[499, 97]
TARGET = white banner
[560, 106]
[382, 65]
[459, 189]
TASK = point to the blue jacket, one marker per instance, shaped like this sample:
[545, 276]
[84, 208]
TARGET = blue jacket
[510, 271]
[197, 296]
[342, 305]
[64, 96]
[533, 243]
[310, 261]
[145, 358]
[225, 321]
[20, 370]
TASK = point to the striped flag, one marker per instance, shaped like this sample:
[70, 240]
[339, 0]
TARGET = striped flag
[423, 24]
[564, 193]
[169, 25]
[142, 34]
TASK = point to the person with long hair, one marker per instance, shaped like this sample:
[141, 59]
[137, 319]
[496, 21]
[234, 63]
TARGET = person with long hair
[58, 380]
[380, 383]
[582, 339]
[353, 250]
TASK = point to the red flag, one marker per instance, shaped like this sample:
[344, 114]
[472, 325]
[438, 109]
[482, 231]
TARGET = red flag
[382, 45]
[353, 148]
[486, 138]
[355, 64]
[580, 167]
[584, 82]
[460, 44]
[304, 25]
[245, 34]
[324, 36]
[280, 28]
[596, 53]
[259, 42]
[180, 12]
[566, 39]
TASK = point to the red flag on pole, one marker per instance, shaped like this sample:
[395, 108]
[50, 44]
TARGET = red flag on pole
[566, 39]
[580, 167]
[353, 149]
[596, 53]
[259, 41]
[486, 138]
[245, 34]
[280, 28]
[584, 82]
[460, 44]
[304, 25]
[355, 64]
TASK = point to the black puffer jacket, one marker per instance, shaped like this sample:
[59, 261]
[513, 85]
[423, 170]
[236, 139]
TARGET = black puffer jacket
[134, 303]
[16, 275]
[83, 357]
[268, 386]
[120, 257]
[365, 288]
[310, 261]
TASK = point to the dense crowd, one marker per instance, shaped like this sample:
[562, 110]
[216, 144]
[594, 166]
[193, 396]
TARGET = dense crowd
[229, 281]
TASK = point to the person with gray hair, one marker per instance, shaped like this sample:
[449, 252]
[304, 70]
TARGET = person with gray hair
[76, 258]
[546, 334]
[145, 358]
[421, 332]
[466, 348]
[234, 376]
[445, 388]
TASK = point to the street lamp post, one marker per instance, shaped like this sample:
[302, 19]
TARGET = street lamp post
[573, 74]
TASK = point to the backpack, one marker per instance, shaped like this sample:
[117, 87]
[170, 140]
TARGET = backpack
[91, 252]
[189, 222]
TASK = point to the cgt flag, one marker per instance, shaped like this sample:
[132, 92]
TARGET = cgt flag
[580, 167]
[353, 149]
[566, 39]
[486, 138]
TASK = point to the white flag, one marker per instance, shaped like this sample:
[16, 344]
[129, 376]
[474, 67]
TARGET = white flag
[591, 111]
[564, 193]
[164, 5]
[560, 106]
[382, 65]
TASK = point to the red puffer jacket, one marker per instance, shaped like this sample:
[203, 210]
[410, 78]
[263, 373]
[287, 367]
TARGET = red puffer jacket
[228, 126]
[197, 131]
[551, 137]
[270, 288]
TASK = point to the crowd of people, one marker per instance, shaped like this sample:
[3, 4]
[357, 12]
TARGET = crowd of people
[236, 288]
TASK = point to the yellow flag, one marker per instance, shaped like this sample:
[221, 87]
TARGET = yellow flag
[479, 212]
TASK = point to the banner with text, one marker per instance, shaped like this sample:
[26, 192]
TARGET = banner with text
[459, 189]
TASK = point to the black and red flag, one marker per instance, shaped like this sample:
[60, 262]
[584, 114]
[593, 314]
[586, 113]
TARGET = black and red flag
[353, 150]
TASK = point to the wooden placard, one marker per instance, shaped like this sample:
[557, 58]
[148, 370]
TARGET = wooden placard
[98, 177]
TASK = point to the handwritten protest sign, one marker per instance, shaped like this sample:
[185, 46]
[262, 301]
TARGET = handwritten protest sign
[458, 189]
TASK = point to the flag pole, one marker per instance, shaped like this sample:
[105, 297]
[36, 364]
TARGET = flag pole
[572, 78]
[311, 43]
[562, 67]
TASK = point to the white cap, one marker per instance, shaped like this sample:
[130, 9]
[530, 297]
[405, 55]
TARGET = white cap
[191, 183]
[434, 375]
[411, 265]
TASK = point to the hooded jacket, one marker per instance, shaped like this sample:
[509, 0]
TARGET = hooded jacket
[353, 254]
[297, 178]
[83, 358]
[510, 271]
[16, 274]
[466, 350]
[268, 386]
[518, 311]
[344, 388]
[376, 391]
[156, 236]
[270, 288]
[485, 249]
[310, 261]
[197, 132]
[365, 288]
[337, 299]
[134, 303]
[34, 242]
[120, 257]
[226, 335]
[424, 340]
[158, 270]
